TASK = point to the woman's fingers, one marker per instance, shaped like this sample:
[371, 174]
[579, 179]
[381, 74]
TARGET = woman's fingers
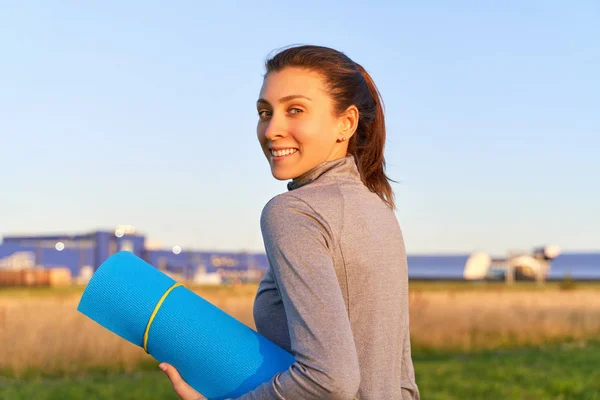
[183, 390]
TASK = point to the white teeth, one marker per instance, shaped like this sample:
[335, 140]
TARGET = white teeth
[285, 152]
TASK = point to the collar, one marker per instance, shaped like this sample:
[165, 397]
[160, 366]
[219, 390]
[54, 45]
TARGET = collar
[345, 167]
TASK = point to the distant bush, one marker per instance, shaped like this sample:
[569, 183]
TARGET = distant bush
[567, 283]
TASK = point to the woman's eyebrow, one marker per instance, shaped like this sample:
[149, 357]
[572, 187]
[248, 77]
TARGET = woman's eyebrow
[286, 98]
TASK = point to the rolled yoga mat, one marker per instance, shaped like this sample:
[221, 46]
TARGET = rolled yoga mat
[214, 353]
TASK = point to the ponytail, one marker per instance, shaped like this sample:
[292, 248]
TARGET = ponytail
[368, 143]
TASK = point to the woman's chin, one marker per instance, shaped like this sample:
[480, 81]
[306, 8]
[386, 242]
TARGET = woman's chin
[281, 175]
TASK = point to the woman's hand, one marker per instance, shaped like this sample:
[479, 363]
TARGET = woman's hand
[183, 390]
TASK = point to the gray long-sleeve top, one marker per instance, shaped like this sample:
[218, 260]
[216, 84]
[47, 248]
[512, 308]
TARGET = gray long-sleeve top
[336, 292]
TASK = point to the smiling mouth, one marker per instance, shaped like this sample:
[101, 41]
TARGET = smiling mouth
[280, 154]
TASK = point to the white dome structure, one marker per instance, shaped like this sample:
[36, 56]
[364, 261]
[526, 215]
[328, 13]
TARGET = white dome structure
[477, 266]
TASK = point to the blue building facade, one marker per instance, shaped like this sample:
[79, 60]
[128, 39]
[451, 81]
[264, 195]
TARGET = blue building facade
[89, 250]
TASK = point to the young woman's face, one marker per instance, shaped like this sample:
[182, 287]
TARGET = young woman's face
[296, 119]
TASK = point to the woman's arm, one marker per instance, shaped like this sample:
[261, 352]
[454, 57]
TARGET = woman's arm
[299, 246]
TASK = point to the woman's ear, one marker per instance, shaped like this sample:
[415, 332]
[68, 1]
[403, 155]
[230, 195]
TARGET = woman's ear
[348, 122]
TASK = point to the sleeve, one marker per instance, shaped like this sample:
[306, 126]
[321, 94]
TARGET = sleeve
[298, 242]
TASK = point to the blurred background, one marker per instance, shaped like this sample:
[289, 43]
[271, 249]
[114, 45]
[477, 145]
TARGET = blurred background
[132, 126]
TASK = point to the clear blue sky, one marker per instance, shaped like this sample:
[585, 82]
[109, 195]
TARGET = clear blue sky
[143, 113]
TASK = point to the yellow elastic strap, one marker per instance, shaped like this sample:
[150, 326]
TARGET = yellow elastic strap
[162, 299]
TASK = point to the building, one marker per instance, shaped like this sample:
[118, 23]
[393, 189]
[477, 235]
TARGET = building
[83, 253]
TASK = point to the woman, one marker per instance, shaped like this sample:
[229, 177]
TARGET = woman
[336, 292]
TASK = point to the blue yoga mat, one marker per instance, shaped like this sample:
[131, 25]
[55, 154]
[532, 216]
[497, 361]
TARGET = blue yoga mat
[215, 353]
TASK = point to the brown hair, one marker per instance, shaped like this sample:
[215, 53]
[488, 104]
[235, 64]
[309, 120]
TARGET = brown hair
[348, 84]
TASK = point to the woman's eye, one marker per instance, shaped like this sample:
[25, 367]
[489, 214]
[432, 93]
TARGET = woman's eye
[263, 114]
[297, 111]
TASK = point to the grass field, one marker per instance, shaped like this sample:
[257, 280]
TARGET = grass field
[550, 372]
[469, 341]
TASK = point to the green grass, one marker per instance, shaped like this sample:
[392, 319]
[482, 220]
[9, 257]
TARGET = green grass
[566, 371]
[140, 385]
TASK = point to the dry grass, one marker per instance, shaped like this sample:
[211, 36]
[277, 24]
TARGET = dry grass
[46, 333]
[483, 320]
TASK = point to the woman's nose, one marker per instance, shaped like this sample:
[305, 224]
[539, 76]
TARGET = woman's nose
[275, 129]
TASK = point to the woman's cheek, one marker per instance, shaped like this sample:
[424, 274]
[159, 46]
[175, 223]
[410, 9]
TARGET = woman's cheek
[304, 132]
